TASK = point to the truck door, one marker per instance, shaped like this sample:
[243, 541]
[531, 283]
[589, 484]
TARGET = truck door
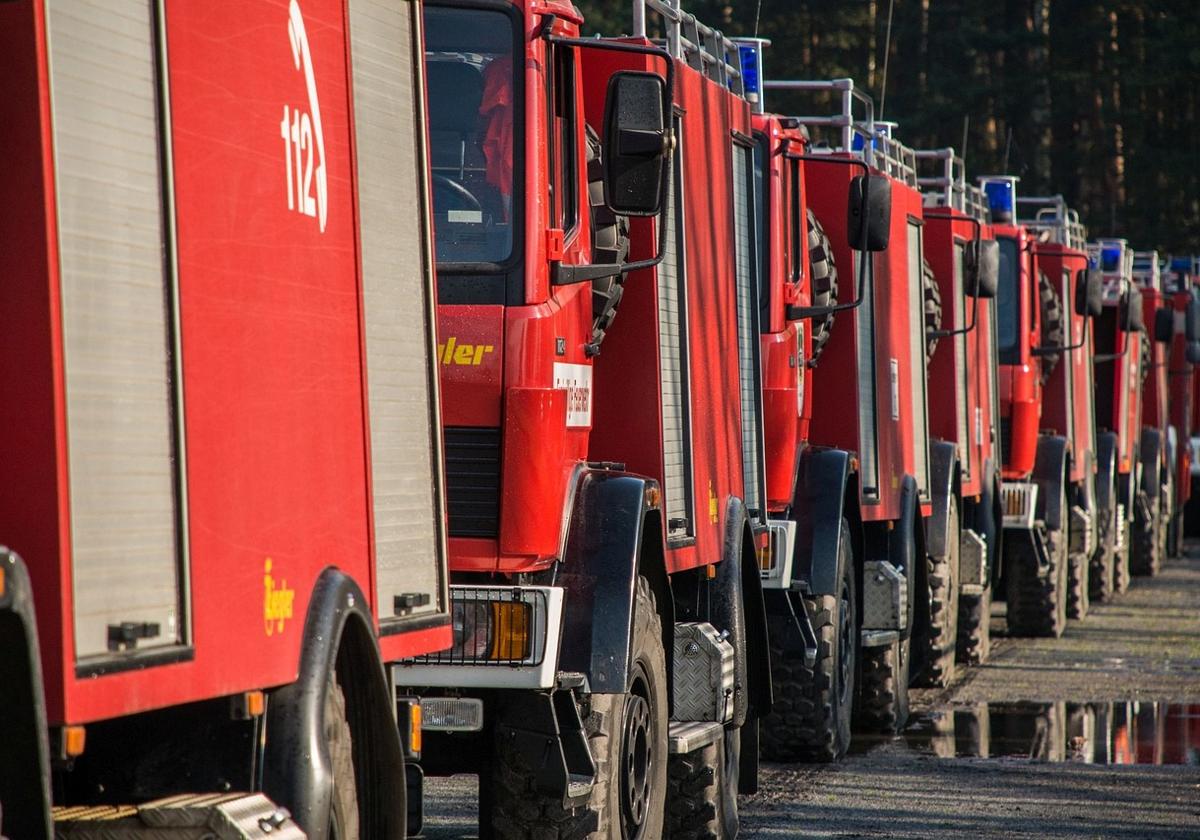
[120, 340]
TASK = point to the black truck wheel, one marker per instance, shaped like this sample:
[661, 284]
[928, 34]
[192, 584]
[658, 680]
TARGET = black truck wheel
[1122, 575]
[1148, 539]
[343, 811]
[810, 716]
[694, 794]
[1037, 599]
[823, 277]
[610, 244]
[942, 640]
[975, 627]
[932, 297]
[1078, 587]
[627, 736]
[1100, 579]
[883, 701]
[1053, 331]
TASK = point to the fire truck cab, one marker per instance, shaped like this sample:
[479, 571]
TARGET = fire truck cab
[1181, 370]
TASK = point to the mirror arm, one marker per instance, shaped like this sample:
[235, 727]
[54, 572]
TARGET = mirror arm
[668, 114]
[1109, 357]
[800, 313]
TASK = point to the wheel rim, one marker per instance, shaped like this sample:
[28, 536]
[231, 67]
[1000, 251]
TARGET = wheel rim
[637, 758]
[845, 644]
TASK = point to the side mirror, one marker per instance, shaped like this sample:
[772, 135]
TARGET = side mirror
[870, 200]
[1193, 353]
[1131, 319]
[1089, 293]
[1164, 325]
[983, 268]
[635, 143]
[1191, 322]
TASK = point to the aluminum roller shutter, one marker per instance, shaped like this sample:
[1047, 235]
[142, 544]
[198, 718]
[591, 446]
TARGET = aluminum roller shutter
[864, 351]
[118, 322]
[747, 333]
[918, 371]
[673, 361]
[398, 305]
[962, 410]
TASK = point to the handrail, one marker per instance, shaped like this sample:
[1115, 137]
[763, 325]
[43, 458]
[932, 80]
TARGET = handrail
[703, 48]
[950, 189]
[1146, 270]
[1052, 216]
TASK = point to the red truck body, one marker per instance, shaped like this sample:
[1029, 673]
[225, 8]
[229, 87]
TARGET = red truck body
[215, 411]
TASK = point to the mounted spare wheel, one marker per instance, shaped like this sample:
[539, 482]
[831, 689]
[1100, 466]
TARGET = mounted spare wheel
[610, 244]
[1053, 332]
[823, 278]
[932, 297]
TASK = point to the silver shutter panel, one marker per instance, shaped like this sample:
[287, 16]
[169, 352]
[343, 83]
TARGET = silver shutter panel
[673, 361]
[917, 375]
[961, 408]
[747, 331]
[864, 350]
[399, 316]
[116, 320]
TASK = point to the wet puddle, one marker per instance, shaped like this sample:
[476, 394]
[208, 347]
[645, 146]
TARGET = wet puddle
[1089, 733]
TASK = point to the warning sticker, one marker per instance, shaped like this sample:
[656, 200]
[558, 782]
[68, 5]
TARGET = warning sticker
[576, 380]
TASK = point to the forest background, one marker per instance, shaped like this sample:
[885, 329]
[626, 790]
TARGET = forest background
[1097, 101]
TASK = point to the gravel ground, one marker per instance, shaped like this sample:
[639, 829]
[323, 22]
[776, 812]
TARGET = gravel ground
[1143, 647]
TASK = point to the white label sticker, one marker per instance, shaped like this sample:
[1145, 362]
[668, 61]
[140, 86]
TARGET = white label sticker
[978, 426]
[895, 389]
[576, 380]
[465, 217]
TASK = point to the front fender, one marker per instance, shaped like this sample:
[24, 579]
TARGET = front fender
[1049, 472]
[943, 464]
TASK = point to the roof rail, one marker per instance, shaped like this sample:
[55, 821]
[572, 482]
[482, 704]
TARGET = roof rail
[1053, 217]
[950, 188]
[1115, 261]
[704, 49]
[1146, 270]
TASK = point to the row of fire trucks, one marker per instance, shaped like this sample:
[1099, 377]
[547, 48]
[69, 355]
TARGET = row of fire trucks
[550, 410]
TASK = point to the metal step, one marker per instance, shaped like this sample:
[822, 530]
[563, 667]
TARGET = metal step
[685, 736]
[185, 816]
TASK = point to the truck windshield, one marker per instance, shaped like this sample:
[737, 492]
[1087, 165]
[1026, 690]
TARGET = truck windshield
[473, 132]
[1008, 304]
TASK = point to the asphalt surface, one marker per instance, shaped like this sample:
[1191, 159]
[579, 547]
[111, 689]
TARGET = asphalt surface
[1030, 745]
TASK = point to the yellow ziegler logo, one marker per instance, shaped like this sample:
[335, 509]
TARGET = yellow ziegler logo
[277, 601]
[453, 353]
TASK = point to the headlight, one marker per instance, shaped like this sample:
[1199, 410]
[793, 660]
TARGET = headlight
[492, 630]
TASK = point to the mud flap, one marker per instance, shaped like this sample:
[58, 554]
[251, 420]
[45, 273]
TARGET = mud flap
[545, 730]
[943, 462]
[818, 509]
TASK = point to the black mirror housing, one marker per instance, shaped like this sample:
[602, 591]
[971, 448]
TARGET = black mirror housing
[636, 143]
[983, 268]
[1089, 293]
[1193, 353]
[1191, 322]
[1164, 325]
[1130, 315]
[870, 200]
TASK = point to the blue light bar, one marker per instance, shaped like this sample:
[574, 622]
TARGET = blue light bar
[751, 83]
[1181, 264]
[1110, 259]
[1001, 197]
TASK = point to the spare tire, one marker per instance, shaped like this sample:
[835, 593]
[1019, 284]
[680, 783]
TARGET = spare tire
[610, 245]
[1053, 325]
[932, 297]
[823, 278]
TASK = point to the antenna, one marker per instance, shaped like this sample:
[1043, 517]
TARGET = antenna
[1007, 146]
[966, 126]
[887, 52]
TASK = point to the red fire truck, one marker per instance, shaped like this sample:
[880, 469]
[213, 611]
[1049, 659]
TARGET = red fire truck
[605, 465]
[1118, 376]
[221, 462]
[1184, 355]
[1046, 487]
[871, 510]
[1060, 258]
[964, 259]
[1156, 445]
